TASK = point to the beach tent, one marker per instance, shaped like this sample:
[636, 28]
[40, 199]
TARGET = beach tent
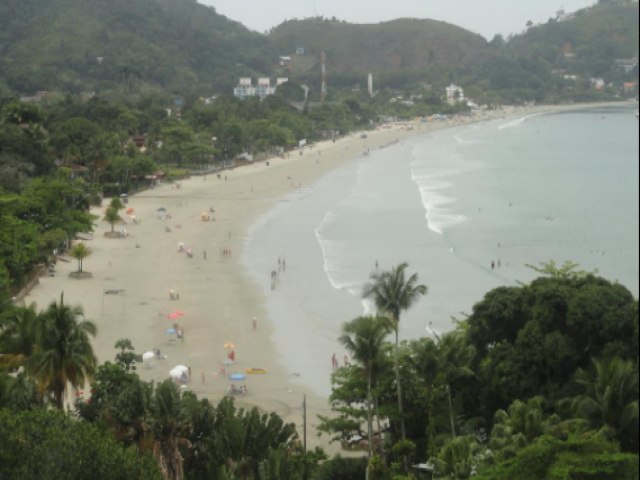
[148, 355]
[178, 371]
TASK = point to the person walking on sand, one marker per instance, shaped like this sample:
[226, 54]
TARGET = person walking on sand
[255, 323]
[204, 254]
[334, 362]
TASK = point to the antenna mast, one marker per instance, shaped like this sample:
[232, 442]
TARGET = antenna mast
[323, 61]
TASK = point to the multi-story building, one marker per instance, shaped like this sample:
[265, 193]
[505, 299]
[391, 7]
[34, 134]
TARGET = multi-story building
[245, 87]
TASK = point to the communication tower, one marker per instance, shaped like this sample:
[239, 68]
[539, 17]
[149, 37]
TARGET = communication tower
[323, 89]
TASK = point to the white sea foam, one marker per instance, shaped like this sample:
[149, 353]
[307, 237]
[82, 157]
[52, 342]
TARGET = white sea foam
[517, 122]
[438, 206]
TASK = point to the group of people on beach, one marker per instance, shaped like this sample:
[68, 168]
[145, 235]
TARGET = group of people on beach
[335, 364]
[282, 266]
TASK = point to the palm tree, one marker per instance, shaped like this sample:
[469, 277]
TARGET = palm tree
[454, 359]
[18, 335]
[609, 402]
[168, 423]
[111, 216]
[63, 350]
[459, 459]
[392, 293]
[80, 252]
[364, 338]
[519, 426]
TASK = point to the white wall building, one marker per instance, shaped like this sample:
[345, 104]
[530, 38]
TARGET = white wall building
[245, 88]
[454, 94]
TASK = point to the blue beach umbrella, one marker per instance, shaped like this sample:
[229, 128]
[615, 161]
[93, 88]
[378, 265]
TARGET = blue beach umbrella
[170, 331]
[237, 376]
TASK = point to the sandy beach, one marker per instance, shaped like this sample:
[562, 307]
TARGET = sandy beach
[218, 299]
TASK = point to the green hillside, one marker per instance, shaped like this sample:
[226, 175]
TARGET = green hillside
[402, 45]
[79, 45]
[182, 47]
[587, 42]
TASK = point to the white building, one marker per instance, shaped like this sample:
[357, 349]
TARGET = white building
[245, 88]
[454, 94]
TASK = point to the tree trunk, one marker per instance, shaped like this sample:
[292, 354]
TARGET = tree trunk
[369, 420]
[377, 406]
[453, 425]
[58, 394]
[403, 430]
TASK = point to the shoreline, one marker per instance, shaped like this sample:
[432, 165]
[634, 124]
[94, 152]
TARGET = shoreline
[218, 297]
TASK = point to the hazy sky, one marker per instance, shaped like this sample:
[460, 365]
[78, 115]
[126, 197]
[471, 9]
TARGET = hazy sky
[486, 17]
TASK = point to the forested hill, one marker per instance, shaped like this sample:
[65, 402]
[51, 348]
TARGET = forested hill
[82, 45]
[183, 47]
[405, 44]
[585, 42]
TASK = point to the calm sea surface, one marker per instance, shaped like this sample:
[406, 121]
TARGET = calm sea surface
[560, 186]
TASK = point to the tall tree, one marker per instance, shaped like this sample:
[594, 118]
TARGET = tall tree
[455, 357]
[392, 293]
[63, 350]
[168, 423]
[364, 338]
[609, 399]
[18, 335]
[111, 216]
[459, 458]
[80, 251]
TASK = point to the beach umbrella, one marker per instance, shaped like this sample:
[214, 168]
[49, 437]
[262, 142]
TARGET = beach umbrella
[181, 368]
[229, 345]
[175, 315]
[129, 211]
[148, 355]
[170, 331]
[173, 373]
[237, 376]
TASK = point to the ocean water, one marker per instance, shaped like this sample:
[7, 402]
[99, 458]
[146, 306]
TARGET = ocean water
[561, 186]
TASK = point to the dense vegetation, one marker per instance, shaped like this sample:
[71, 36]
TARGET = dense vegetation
[75, 46]
[539, 382]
